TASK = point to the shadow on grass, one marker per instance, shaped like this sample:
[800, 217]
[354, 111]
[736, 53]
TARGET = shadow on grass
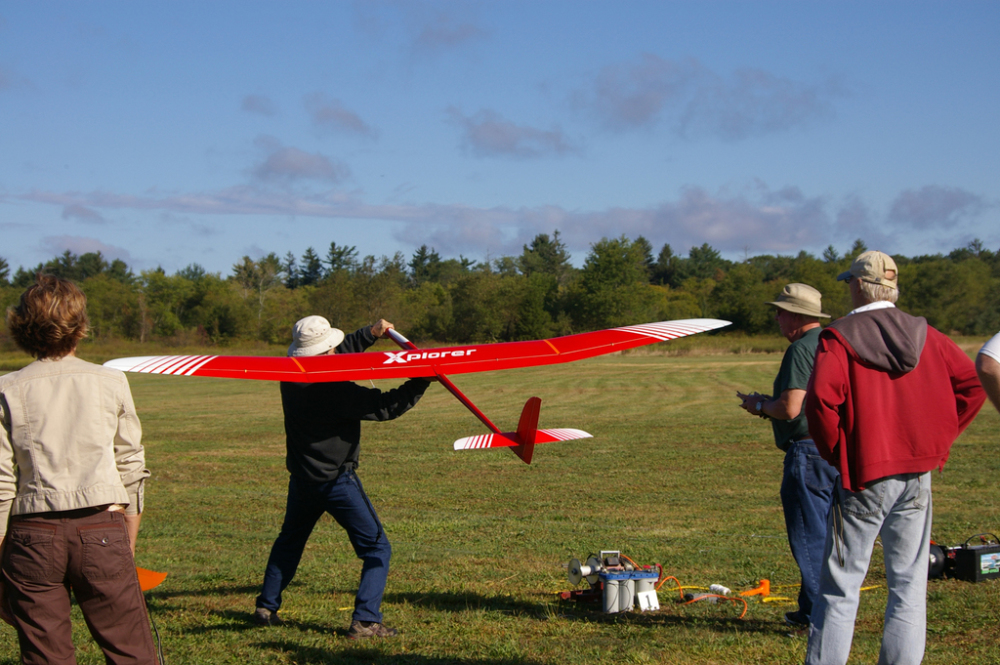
[217, 590]
[726, 622]
[671, 615]
[461, 602]
[367, 656]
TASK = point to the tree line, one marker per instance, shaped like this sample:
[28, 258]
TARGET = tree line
[536, 294]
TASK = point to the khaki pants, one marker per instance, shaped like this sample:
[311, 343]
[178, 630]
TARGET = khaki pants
[47, 554]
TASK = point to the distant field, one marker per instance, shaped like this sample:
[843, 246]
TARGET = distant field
[675, 474]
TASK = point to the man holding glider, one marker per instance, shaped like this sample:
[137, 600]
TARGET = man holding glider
[323, 432]
[888, 396]
[807, 482]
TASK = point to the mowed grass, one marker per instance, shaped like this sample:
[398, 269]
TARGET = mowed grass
[676, 474]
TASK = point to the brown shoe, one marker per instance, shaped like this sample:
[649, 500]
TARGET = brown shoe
[265, 617]
[362, 630]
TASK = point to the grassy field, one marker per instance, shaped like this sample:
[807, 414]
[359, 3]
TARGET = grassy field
[675, 474]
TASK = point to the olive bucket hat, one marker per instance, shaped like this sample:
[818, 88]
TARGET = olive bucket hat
[801, 299]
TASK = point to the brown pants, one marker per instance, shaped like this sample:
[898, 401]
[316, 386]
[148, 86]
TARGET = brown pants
[46, 554]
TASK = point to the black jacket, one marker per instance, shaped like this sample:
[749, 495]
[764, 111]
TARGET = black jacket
[323, 420]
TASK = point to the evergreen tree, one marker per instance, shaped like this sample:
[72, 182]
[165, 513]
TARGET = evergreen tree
[642, 245]
[4, 272]
[291, 269]
[120, 272]
[311, 268]
[193, 273]
[548, 256]
[666, 267]
[424, 265]
[857, 248]
[704, 262]
[341, 258]
[89, 265]
[25, 278]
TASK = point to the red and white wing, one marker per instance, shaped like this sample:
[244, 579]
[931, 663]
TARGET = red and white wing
[508, 439]
[409, 363]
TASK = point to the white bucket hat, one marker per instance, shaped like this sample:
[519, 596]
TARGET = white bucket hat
[313, 336]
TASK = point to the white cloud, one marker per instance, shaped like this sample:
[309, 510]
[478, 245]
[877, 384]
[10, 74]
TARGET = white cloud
[757, 220]
[331, 114]
[83, 214]
[55, 245]
[287, 165]
[259, 104]
[934, 206]
[444, 33]
[696, 101]
[9, 80]
[488, 134]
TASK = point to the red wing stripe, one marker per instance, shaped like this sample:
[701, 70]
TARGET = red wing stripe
[507, 439]
[147, 363]
[564, 434]
[156, 367]
[193, 360]
[198, 366]
[171, 368]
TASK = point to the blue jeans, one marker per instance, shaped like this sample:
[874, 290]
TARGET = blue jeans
[346, 501]
[806, 495]
[899, 509]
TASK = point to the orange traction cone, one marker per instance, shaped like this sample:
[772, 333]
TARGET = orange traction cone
[763, 589]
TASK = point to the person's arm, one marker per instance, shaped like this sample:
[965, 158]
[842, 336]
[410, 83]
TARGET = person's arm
[130, 459]
[380, 328]
[8, 489]
[5, 616]
[362, 338]
[969, 393]
[826, 396]
[988, 370]
[358, 402]
[8, 478]
[132, 527]
[786, 406]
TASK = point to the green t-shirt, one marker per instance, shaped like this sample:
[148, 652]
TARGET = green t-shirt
[796, 367]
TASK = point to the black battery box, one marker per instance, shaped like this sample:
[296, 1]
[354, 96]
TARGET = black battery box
[976, 563]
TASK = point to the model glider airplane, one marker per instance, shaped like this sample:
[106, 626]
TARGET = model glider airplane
[437, 363]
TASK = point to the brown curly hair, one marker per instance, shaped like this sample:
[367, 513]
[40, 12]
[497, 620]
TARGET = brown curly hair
[50, 319]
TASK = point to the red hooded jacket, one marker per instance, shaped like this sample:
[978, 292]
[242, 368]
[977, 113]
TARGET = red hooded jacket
[888, 395]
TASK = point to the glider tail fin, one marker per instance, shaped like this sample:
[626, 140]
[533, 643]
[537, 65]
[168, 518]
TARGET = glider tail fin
[527, 430]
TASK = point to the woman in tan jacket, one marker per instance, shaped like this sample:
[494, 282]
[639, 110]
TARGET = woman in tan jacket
[71, 473]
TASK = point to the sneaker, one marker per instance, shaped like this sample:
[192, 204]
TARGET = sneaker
[361, 630]
[796, 620]
[265, 617]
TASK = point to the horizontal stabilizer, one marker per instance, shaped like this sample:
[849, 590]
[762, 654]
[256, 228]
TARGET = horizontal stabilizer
[508, 439]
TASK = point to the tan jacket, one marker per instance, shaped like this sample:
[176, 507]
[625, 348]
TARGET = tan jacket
[69, 439]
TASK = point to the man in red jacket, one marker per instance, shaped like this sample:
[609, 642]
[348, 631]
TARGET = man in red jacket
[888, 396]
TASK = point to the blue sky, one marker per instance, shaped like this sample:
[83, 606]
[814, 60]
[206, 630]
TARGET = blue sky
[175, 132]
